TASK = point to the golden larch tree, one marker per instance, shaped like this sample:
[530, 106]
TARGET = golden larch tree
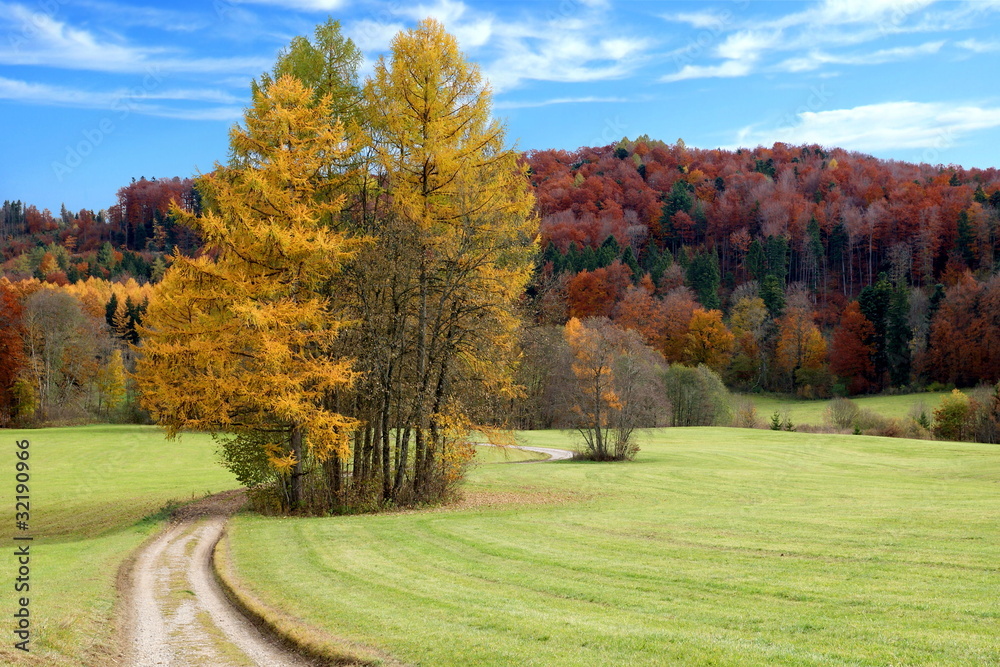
[436, 291]
[241, 339]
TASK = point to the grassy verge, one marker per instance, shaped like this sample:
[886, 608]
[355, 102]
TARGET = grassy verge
[97, 492]
[803, 411]
[716, 546]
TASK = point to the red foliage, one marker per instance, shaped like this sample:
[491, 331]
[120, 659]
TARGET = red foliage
[595, 293]
[12, 358]
[851, 350]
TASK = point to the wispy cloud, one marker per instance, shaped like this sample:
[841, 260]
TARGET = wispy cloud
[728, 69]
[140, 100]
[527, 104]
[298, 5]
[876, 127]
[817, 36]
[977, 46]
[576, 43]
[49, 42]
[126, 15]
[817, 59]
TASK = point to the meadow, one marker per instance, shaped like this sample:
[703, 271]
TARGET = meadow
[97, 492]
[716, 546]
[813, 412]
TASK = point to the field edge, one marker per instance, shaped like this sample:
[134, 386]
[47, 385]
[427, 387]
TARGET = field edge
[304, 638]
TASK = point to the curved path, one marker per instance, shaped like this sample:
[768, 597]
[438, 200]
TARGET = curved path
[553, 453]
[178, 614]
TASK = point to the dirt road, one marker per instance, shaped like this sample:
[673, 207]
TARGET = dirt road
[178, 614]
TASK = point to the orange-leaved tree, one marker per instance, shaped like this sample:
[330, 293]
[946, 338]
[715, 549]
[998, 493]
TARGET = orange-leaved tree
[242, 340]
[616, 389]
[707, 340]
[801, 349]
[851, 350]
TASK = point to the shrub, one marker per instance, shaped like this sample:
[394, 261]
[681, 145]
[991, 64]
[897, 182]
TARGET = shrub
[745, 414]
[842, 412]
[951, 416]
[697, 396]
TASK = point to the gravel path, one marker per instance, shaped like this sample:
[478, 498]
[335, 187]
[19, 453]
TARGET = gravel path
[178, 614]
[554, 454]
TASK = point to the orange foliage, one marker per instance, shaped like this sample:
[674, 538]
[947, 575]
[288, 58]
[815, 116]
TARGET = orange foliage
[851, 350]
[707, 340]
[594, 293]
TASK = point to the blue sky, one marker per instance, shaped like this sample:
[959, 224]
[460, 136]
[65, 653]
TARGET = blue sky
[96, 92]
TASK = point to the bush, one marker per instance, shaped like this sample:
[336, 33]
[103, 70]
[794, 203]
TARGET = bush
[745, 414]
[842, 413]
[952, 415]
[697, 396]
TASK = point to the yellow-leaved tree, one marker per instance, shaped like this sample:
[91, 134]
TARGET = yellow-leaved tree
[242, 339]
[436, 292]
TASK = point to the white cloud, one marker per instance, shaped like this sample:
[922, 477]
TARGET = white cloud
[298, 5]
[816, 59]
[135, 100]
[41, 40]
[728, 69]
[703, 19]
[560, 100]
[563, 57]
[977, 46]
[810, 39]
[445, 11]
[859, 11]
[875, 127]
[748, 44]
[558, 45]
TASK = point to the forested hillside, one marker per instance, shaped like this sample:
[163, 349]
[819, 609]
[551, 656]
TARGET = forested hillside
[781, 240]
[791, 268]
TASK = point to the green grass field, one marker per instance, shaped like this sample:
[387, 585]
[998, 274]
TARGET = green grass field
[802, 411]
[716, 546]
[91, 487]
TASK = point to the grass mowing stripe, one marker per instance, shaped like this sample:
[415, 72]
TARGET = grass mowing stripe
[716, 547]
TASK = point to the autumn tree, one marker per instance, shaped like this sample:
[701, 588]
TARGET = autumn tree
[12, 358]
[748, 322]
[801, 350]
[60, 343]
[707, 340]
[240, 339]
[614, 389]
[852, 349]
[450, 215]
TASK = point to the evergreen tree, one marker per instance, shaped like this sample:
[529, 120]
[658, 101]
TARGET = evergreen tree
[755, 262]
[110, 309]
[964, 239]
[773, 294]
[703, 277]
[776, 251]
[874, 302]
[898, 337]
[628, 259]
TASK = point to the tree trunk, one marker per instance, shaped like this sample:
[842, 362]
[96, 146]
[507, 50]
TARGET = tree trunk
[295, 497]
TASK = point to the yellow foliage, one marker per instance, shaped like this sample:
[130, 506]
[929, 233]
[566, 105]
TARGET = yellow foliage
[241, 337]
